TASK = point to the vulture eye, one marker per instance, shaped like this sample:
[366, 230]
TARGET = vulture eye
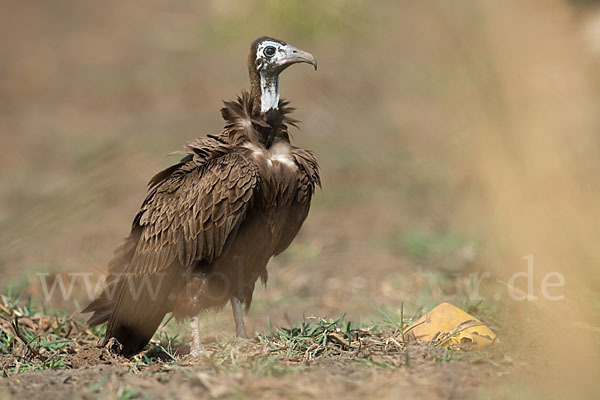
[269, 51]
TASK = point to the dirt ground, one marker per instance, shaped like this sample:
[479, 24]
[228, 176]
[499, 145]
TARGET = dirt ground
[380, 367]
[425, 380]
[95, 95]
[59, 356]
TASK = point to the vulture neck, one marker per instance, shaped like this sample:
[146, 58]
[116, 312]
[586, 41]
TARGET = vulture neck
[269, 92]
[264, 91]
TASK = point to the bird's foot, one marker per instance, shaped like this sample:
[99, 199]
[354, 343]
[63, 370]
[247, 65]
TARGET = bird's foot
[196, 352]
[241, 334]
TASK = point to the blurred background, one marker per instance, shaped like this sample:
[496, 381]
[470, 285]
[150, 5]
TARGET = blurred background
[455, 138]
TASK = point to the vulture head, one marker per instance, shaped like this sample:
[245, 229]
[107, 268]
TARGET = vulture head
[268, 57]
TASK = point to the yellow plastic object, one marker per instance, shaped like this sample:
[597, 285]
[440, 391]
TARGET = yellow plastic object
[451, 327]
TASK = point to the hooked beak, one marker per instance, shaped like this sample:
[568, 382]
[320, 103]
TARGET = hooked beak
[294, 55]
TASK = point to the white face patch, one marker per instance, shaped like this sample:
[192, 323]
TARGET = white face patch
[263, 58]
[271, 58]
[268, 52]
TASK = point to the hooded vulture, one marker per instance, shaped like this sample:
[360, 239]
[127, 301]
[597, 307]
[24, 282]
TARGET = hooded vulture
[211, 222]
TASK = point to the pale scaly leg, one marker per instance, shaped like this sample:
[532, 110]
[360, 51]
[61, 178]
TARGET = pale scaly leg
[196, 349]
[238, 316]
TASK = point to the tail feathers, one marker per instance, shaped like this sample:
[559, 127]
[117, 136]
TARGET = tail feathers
[132, 338]
[142, 302]
[133, 305]
[101, 312]
[137, 306]
[102, 306]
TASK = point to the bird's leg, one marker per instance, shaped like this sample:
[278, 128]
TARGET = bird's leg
[196, 349]
[240, 329]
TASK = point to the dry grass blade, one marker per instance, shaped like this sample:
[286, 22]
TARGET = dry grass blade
[27, 343]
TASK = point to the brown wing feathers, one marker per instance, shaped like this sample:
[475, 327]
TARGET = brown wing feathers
[192, 212]
[186, 217]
